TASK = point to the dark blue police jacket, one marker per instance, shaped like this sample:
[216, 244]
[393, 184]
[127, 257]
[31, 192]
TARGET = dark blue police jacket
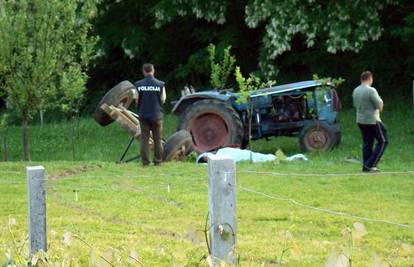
[149, 98]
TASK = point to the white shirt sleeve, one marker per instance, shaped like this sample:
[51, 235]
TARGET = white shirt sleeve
[163, 95]
[135, 94]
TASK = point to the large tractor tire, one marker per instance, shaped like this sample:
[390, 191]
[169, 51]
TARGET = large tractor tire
[120, 94]
[318, 136]
[178, 146]
[212, 124]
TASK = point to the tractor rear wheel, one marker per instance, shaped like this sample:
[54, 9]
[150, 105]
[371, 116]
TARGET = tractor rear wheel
[120, 94]
[317, 136]
[212, 124]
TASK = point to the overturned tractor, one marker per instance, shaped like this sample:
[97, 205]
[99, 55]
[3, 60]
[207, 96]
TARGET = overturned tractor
[214, 119]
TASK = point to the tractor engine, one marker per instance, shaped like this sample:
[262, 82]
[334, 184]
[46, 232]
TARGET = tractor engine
[288, 108]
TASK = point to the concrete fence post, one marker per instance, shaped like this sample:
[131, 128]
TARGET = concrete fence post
[222, 210]
[36, 208]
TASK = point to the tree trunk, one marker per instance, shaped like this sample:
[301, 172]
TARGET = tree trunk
[25, 128]
[74, 137]
[41, 118]
[5, 148]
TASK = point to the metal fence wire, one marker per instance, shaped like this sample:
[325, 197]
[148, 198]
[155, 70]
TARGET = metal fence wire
[201, 182]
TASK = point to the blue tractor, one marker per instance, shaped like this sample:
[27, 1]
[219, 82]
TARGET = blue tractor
[306, 109]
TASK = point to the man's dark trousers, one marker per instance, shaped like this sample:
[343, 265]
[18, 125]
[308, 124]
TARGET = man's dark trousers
[370, 133]
[154, 126]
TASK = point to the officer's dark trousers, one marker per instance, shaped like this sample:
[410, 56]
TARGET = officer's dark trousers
[370, 133]
[148, 126]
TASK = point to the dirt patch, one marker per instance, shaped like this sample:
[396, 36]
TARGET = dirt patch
[73, 171]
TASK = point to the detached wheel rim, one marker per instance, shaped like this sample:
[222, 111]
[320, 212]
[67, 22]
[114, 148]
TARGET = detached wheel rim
[209, 131]
[317, 139]
[180, 154]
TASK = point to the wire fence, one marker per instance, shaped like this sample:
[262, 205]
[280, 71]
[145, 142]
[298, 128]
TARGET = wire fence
[169, 185]
[159, 189]
[197, 182]
[329, 174]
[324, 210]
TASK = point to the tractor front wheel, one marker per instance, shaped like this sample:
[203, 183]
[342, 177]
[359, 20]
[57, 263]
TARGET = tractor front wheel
[318, 136]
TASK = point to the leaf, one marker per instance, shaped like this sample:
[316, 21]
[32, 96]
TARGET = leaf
[359, 230]
[34, 259]
[296, 252]
[337, 260]
[95, 260]
[209, 260]
[406, 250]
[9, 255]
[109, 254]
[162, 251]
[133, 258]
[280, 155]
[67, 238]
[286, 235]
[40, 256]
[379, 262]
[12, 221]
[53, 233]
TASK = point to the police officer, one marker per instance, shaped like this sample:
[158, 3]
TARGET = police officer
[151, 97]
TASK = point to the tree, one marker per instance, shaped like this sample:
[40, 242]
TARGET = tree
[339, 25]
[212, 11]
[45, 49]
[248, 86]
[4, 128]
[220, 71]
[135, 31]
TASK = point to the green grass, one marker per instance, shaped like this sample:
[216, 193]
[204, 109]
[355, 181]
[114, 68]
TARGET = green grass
[124, 208]
[53, 142]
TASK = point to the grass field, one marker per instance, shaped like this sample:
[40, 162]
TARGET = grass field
[125, 210]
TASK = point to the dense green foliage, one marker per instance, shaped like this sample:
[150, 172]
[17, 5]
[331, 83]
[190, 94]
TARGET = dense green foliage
[337, 25]
[293, 39]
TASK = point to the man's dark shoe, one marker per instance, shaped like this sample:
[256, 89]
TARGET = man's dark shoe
[157, 163]
[366, 169]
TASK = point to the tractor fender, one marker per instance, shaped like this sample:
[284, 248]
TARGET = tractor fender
[187, 100]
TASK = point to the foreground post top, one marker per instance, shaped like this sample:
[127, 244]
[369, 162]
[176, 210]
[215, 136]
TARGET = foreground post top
[35, 168]
[219, 157]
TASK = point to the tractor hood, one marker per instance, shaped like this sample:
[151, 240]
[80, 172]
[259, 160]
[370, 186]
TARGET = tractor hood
[286, 88]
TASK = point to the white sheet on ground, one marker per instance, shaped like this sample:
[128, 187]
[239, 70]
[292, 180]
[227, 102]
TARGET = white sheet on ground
[245, 155]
